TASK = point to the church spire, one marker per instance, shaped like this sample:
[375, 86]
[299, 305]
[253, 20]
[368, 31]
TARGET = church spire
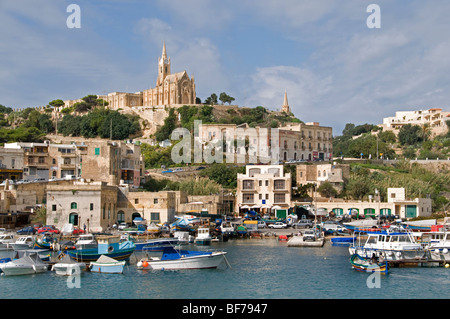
[285, 108]
[164, 54]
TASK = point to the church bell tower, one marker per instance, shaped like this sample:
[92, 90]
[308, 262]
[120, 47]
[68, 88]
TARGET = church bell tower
[163, 66]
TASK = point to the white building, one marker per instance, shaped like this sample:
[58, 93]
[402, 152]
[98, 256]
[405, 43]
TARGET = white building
[264, 188]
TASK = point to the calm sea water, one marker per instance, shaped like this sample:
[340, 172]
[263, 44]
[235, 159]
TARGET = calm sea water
[260, 269]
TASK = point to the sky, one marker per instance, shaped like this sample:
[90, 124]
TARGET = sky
[334, 68]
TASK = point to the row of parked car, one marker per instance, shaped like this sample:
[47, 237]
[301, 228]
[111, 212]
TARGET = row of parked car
[39, 229]
[304, 223]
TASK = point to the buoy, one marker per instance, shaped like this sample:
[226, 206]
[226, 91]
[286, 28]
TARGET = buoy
[447, 265]
[144, 264]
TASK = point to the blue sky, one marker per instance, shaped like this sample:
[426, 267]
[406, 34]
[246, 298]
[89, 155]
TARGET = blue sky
[335, 69]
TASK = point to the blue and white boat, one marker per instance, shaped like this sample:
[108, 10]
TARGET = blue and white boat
[389, 245]
[109, 246]
[203, 236]
[157, 244]
[107, 265]
[176, 259]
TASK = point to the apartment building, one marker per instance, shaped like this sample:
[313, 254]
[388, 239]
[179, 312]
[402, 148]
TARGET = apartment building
[94, 159]
[319, 173]
[264, 188]
[434, 118]
[11, 163]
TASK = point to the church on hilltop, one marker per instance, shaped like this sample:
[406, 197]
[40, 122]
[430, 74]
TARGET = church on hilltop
[170, 89]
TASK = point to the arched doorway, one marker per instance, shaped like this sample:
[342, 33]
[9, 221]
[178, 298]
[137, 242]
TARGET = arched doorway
[120, 217]
[73, 219]
[135, 215]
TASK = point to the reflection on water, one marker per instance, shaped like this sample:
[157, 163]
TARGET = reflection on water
[261, 269]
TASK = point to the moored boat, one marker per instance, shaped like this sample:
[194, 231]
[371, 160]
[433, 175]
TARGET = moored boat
[86, 241]
[26, 265]
[107, 265]
[203, 236]
[368, 264]
[437, 245]
[23, 242]
[67, 266]
[389, 245]
[157, 244]
[107, 245]
[176, 259]
[6, 241]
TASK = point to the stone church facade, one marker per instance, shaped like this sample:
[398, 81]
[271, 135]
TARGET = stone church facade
[176, 88]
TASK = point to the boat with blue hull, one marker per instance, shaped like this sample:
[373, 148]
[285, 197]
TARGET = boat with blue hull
[157, 244]
[109, 246]
[107, 265]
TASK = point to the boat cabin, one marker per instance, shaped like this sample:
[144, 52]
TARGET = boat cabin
[389, 240]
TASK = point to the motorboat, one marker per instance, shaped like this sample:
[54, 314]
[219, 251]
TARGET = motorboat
[86, 241]
[389, 245]
[226, 228]
[105, 264]
[23, 242]
[368, 264]
[437, 245]
[67, 266]
[5, 241]
[361, 224]
[182, 237]
[110, 246]
[176, 259]
[157, 244]
[26, 265]
[203, 236]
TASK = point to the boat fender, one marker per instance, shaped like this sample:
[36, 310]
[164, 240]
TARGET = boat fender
[445, 250]
[436, 251]
[144, 264]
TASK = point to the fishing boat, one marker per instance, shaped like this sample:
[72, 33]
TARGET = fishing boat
[181, 224]
[390, 245]
[437, 245]
[6, 241]
[419, 225]
[107, 265]
[67, 266]
[23, 242]
[360, 224]
[157, 244]
[182, 237]
[86, 241]
[46, 241]
[109, 246]
[368, 264]
[26, 265]
[203, 236]
[176, 259]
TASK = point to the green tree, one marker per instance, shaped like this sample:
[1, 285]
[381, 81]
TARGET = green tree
[225, 98]
[410, 134]
[169, 125]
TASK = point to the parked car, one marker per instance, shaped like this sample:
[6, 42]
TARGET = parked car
[77, 231]
[200, 168]
[262, 224]
[122, 226]
[309, 234]
[28, 230]
[303, 223]
[179, 169]
[278, 225]
[49, 229]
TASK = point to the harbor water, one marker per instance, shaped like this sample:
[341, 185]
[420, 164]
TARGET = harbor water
[260, 269]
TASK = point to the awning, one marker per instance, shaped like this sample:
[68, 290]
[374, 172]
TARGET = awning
[245, 207]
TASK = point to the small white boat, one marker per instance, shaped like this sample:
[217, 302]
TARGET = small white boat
[176, 259]
[86, 241]
[23, 242]
[27, 265]
[5, 241]
[203, 236]
[182, 236]
[67, 266]
[437, 245]
[107, 265]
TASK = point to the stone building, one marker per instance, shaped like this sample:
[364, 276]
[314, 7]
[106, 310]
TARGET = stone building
[264, 188]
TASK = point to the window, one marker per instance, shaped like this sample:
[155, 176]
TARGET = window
[247, 198]
[136, 200]
[155, 201]
[154, 217]
[73, 205]
[279, 198]
[247, 184]
[267, 183]
[54, 208]
[279, 184]
[91, 206]
[97, 151]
